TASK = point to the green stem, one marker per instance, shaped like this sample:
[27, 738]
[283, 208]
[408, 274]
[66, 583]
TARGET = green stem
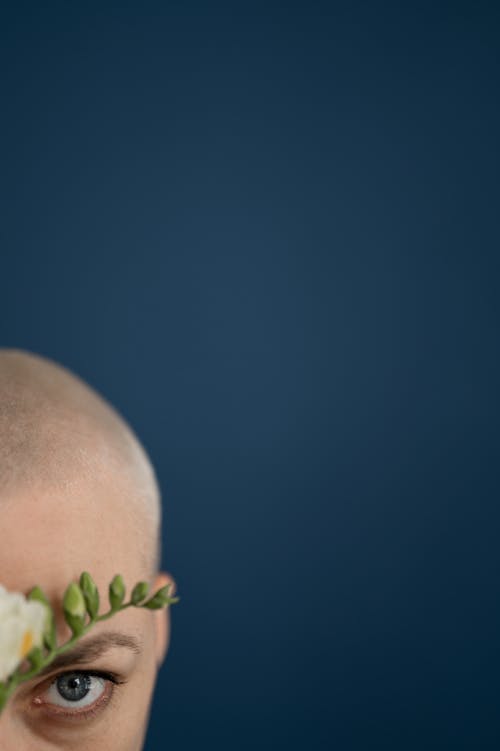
[8, 688]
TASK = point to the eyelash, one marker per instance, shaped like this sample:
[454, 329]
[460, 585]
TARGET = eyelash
[98, 706]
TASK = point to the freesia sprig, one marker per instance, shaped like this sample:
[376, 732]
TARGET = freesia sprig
[28, 625]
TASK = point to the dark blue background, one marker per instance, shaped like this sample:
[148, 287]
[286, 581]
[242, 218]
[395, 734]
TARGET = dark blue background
[269, 235]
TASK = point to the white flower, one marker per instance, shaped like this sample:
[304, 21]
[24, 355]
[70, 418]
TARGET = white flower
[22, 623]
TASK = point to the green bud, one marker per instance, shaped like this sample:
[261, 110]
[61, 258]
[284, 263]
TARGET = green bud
[90, 594]
[49, 634]
[37, 593]
[73, 601]
[116, 592]
[160, 599]
[75, 622]
[139, 592]
[74, 608]
[35, 657]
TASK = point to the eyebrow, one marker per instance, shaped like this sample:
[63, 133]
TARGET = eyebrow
[90, 650]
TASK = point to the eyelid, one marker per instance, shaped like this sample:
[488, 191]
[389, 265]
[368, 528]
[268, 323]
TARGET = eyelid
[54, 711]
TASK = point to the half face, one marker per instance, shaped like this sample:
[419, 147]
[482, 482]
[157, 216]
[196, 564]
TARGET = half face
[101, 695]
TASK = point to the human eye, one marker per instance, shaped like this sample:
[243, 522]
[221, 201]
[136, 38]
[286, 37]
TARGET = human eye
[78, 694]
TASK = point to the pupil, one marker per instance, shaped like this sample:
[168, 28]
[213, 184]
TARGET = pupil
[73, 686]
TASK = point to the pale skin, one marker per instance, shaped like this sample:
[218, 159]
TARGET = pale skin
[49, 535]
[60, 541]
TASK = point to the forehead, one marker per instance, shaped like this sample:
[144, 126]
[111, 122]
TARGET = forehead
[49, 538]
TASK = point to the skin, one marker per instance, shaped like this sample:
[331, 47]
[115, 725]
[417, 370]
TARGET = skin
[51, 532]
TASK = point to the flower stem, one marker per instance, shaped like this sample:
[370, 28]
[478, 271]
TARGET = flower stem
[8, 688]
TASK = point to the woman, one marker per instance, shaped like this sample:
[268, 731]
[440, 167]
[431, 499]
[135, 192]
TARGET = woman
[78, 493]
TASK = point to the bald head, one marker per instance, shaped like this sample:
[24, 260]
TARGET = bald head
[59, 435]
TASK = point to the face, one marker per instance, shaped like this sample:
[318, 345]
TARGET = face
[49, 540]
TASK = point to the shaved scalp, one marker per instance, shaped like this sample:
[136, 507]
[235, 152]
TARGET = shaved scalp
[57, 433]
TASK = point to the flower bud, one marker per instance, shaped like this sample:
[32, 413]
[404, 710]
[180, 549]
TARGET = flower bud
[139, 592]
[160, 599]
[35, 657]
[116, 592]
[74, 608]
[37, 593]
[90, 594]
